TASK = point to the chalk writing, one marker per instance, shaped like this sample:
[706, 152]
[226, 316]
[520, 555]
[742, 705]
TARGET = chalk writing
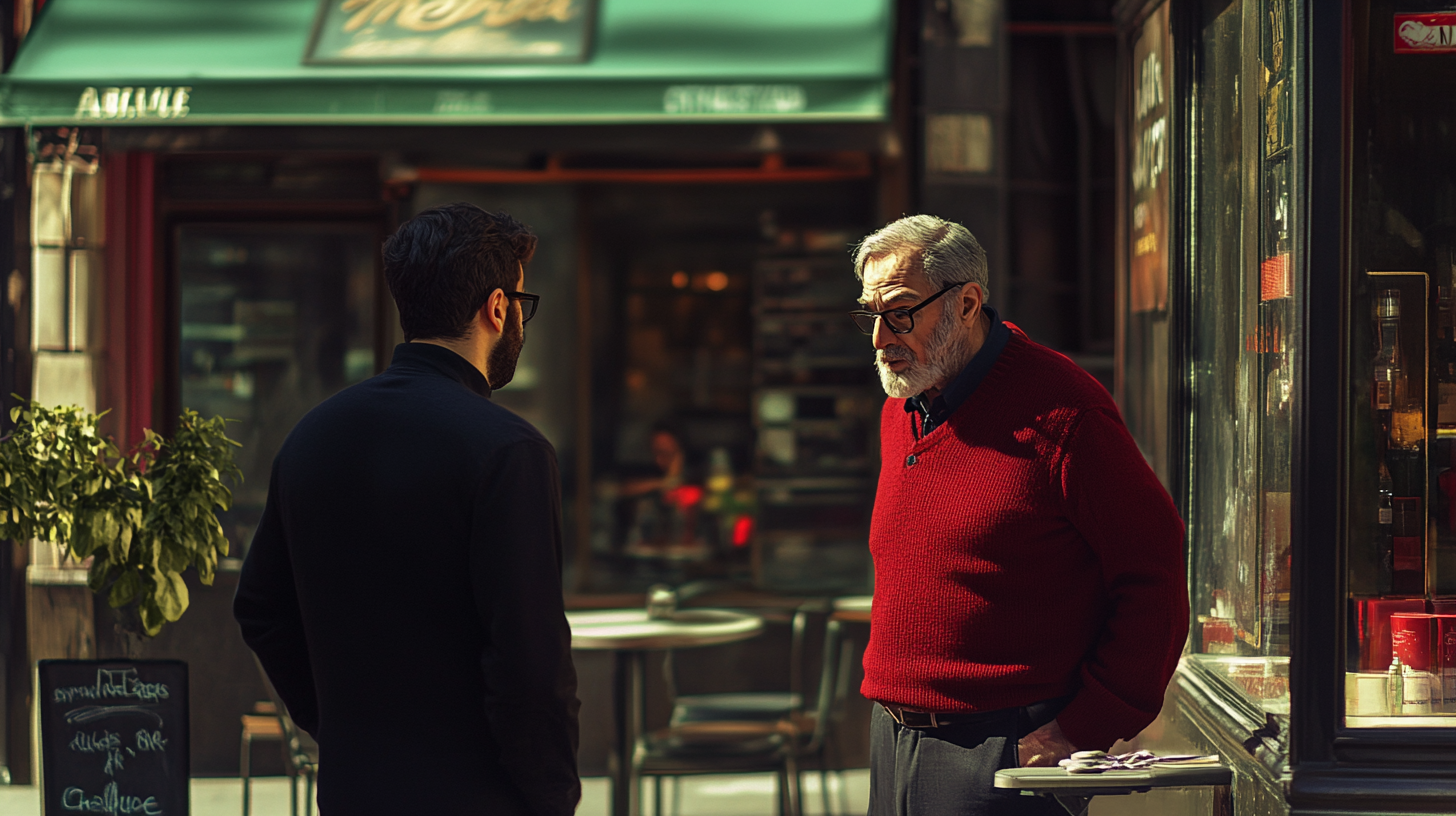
[111, 801]
[113, 683]
[94, 742]
[150, 741]
[86, 714]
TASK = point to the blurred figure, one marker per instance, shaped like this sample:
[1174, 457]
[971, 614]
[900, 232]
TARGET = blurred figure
[668, 456]
[403, 590]
[663, 511]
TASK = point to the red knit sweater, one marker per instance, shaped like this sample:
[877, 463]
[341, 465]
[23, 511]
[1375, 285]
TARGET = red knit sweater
[1024, 550]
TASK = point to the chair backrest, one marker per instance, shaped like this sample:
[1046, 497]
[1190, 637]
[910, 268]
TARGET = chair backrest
[798, 645]
[302, 751]
[833, 683]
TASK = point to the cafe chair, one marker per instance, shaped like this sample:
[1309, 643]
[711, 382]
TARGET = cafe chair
[270, 721]
[765, 722]
[721, 748]
[262, 724]
[754, 705]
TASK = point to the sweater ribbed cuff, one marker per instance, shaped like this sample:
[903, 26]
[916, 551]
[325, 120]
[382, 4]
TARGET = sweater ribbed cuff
[1096, 718]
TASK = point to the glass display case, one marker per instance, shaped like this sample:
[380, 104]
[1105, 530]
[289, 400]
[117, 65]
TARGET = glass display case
[1243, 349]
[1311, 351]
[1400, 484]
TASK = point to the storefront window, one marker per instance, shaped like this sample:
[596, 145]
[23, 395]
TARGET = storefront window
[1244, 348]
[1401, 485]
[734, 407]
[274, 319]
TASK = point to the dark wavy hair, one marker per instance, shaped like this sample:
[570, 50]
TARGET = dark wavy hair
[443, 264]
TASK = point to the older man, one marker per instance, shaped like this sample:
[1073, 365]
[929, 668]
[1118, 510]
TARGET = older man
[1029, 587]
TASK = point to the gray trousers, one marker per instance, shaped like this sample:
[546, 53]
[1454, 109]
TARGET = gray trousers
[950, 771]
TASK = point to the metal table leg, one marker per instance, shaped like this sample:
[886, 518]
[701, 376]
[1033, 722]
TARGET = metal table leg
[627, 689]
[1074, 805]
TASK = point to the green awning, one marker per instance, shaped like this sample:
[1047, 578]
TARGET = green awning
[210, 62]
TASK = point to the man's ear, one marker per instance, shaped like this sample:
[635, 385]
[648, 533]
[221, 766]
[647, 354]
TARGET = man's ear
[972, 299]
[493, 313]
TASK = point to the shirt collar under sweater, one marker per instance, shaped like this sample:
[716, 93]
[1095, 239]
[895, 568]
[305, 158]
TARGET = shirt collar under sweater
[429, 357]
[934, 413]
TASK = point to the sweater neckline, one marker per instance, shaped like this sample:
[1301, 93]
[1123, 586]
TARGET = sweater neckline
[1014, 344]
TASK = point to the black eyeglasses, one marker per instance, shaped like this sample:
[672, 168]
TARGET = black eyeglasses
[529, 302]
[900, 321]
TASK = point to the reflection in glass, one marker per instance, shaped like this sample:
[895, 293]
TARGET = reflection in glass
[1244, 345]
[274, 319]
[1143, 395]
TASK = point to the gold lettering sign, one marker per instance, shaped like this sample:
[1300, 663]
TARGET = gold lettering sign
[163, 102]
[1149, 142]
[355, 31]
[436, 15]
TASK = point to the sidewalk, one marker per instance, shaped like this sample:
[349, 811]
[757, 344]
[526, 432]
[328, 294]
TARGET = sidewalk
[738, 795]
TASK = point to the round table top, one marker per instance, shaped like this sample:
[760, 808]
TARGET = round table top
[631, 629]
[854, 603]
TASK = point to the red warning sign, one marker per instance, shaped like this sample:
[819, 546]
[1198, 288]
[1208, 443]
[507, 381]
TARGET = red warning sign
[1429, 33]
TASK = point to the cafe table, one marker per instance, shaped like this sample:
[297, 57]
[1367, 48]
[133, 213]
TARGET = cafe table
[853, 608]
[630, 634]
[1074, 792]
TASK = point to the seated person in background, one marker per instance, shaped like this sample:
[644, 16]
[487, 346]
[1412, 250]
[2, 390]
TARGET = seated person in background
[657, 509]
[667, 456]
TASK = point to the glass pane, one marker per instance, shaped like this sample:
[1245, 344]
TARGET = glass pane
[275, 318]
[50, 298]
[49, 206]
[1401, 652]
[1244, 348]
[87, 311]
[87, 207]
[1144, 391]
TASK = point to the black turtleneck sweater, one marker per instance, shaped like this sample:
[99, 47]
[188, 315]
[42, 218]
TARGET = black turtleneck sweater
[403, 593]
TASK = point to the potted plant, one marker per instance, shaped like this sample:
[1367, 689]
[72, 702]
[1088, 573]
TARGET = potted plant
[142, 517]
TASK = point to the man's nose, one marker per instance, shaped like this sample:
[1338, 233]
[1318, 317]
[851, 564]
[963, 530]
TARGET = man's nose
[882, 336]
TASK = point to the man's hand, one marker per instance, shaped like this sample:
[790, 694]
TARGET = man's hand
[1044, 746]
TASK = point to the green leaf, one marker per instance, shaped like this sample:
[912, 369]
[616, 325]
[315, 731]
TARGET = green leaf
[171, 596]
[125, 590]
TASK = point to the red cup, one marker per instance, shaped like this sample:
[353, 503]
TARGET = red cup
[1410, 639]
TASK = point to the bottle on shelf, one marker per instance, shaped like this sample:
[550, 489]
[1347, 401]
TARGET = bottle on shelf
[1385, 531]
[1403, 417]
[1407, 547]
[1445, 347]
[1389, 371]
[1395, 688]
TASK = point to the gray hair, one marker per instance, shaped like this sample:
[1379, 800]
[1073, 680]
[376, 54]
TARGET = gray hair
[947, 252]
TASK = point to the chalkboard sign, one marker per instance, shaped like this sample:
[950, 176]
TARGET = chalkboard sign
[113, 737]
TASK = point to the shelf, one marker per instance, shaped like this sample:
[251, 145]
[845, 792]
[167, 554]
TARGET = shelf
[1408, 721]
[849, 483]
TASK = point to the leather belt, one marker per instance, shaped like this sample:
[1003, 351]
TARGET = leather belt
[910, 718]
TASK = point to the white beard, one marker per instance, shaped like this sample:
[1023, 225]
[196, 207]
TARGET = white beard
[945, 357]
